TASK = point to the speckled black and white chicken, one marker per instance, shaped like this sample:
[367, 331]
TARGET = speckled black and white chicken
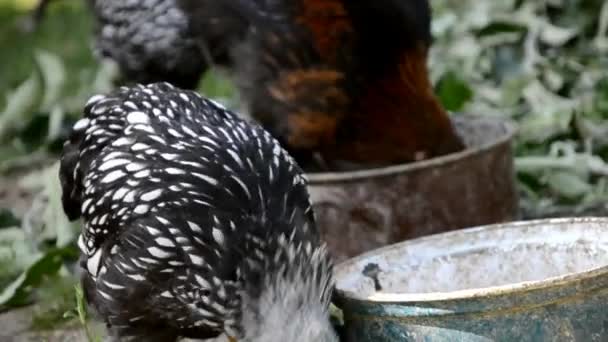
[174, 41]
[154, 40]
[195, 222]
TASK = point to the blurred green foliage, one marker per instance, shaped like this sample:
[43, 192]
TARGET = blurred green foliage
[542, 64]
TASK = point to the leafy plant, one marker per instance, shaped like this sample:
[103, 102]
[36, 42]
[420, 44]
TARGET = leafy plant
[20, 292]
[453, 92]
[80, 312]
[543, 65]
[8, 219]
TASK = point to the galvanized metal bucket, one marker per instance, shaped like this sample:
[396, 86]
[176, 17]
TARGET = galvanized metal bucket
[362, 210]
[544, 280]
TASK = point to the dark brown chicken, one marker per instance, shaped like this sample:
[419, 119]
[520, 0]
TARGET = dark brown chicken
[345, 78]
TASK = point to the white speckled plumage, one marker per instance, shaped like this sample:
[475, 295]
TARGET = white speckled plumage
[149, 39]
[166, 40]
[196, 222]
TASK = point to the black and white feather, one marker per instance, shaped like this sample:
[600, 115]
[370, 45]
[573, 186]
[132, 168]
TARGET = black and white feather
[150, 40]
[195, 222]
[165, 40]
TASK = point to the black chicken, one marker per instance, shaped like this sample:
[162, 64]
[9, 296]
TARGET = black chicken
[196, 222]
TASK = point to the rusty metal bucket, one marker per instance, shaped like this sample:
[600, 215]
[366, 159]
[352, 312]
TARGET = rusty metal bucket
[362, 210]
[536, 281]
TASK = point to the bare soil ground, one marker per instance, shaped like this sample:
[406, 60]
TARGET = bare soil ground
[15, 327]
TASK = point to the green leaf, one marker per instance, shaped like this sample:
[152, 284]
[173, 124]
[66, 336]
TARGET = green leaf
[15, 157]
[497, 27]
[34, 134]
[55, 125]
[49, 219]
[54, 76]
[20, 106]
[7, 219]
[214, 85]
[54, 298]
[557, 36]
[568, 185]
[57, 225]
[16, 254]
[81, 311]
[20, 291]
[542, 127]
[512, 90]
[453, 92]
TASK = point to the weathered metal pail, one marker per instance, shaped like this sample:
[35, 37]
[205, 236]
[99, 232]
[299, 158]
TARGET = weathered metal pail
[535, 281]
[362, 210]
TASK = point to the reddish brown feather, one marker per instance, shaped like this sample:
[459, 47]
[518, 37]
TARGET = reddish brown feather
[347, 109]
[329, 24]
[398, 118]
[309, 92]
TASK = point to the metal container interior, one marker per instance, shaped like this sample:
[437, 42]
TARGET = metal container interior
[544, 280]
[362, 210]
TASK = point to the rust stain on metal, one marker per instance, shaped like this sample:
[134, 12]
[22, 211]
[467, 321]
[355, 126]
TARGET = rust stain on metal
[362, 210]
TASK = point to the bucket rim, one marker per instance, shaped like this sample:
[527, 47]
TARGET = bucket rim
[510, 130]
[480, 292]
